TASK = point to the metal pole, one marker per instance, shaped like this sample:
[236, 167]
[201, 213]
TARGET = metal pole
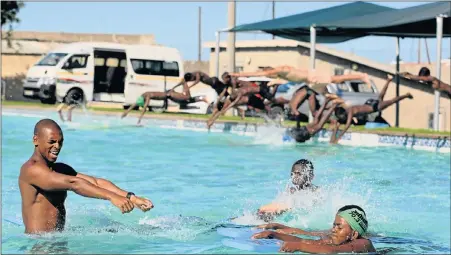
[312, 59]
[419, 51]
[231, 36]
[273, 14]
[438, 67]
[218, 35]
[312, 46]
[397, 82]
[199, 57]
[427, 51]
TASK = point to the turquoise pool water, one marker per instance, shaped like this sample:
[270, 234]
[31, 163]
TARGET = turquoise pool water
[198, 180]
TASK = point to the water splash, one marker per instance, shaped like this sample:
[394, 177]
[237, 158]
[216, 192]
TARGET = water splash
[182, 228]
[272, 134]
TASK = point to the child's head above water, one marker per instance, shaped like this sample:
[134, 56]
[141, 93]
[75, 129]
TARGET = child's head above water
[302, 173]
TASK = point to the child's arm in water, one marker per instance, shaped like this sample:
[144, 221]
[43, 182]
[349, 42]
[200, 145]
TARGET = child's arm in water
[280, 228]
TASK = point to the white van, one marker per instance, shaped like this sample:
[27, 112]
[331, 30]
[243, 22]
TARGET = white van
[108, 72]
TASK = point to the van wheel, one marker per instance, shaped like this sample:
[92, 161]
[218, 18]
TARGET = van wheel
[74, 95]
[157, 109]
[126, 107]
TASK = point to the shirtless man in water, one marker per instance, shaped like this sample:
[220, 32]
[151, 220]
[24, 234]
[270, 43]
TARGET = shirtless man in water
[44, 183]
[345, 236]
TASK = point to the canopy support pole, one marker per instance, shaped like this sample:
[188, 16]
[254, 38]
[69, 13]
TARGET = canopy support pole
[312, 60]
[217, 49]
[397, 82]
[439, 20]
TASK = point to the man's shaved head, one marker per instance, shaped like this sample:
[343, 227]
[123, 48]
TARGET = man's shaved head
[46, 123]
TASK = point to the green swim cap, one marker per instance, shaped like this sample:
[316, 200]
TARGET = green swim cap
[356, 219]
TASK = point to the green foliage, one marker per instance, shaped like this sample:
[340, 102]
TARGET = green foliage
[10, 9]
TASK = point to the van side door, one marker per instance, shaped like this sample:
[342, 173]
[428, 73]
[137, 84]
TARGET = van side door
[76, 72]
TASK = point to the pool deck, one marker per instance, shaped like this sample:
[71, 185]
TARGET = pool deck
[439, 142]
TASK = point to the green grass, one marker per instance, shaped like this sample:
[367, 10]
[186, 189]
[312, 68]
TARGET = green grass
[287, 123]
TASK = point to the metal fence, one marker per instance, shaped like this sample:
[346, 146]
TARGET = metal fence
[12, 89]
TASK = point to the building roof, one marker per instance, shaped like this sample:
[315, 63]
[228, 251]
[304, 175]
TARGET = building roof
[28, 47]
[319, 48]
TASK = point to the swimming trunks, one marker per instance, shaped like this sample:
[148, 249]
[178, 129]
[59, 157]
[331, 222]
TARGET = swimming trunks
[256, 102]
[373, 103]
[220, 105]
[195, 99]
[264, 92]
[207, 80]
[140, 101]
[217, 85]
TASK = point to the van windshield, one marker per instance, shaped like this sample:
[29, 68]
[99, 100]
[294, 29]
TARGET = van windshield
[51, 59]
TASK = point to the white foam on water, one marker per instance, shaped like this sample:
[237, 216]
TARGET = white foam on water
[177, 227]
[271, 135]
[316, 209]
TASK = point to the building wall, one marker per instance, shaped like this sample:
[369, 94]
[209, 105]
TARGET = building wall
[81, 37]
[17, 65]
[191, 66]
[412, 113]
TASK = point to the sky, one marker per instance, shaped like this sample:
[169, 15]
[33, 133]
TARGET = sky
[175, 24]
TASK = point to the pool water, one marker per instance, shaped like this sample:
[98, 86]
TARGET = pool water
[198, 180]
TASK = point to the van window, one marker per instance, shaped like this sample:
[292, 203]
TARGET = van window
[155, 67]
[51, 59]
[343, 87]
[171, 68]
[112, 62]
[99, 61]
[76, 61]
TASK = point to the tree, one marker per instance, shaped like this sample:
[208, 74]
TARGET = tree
[10, 9]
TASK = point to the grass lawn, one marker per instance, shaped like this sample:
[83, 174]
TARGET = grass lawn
[287, 123]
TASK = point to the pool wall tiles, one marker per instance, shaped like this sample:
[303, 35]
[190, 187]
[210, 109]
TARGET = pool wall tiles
[354, 139]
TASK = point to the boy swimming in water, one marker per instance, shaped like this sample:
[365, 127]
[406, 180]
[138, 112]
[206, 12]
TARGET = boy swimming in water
[346, 235]
[301, 178]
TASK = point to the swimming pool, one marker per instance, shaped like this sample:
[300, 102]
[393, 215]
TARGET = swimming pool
[197, 180]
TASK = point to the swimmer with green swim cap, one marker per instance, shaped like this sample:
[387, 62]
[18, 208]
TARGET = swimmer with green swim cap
[346, 235]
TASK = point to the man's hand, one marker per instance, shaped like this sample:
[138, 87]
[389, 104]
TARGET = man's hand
[122, 203]
[289, 247]
[389, 77]
[271, 226]
[142, 203]
[273, 208]
[262, 235]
